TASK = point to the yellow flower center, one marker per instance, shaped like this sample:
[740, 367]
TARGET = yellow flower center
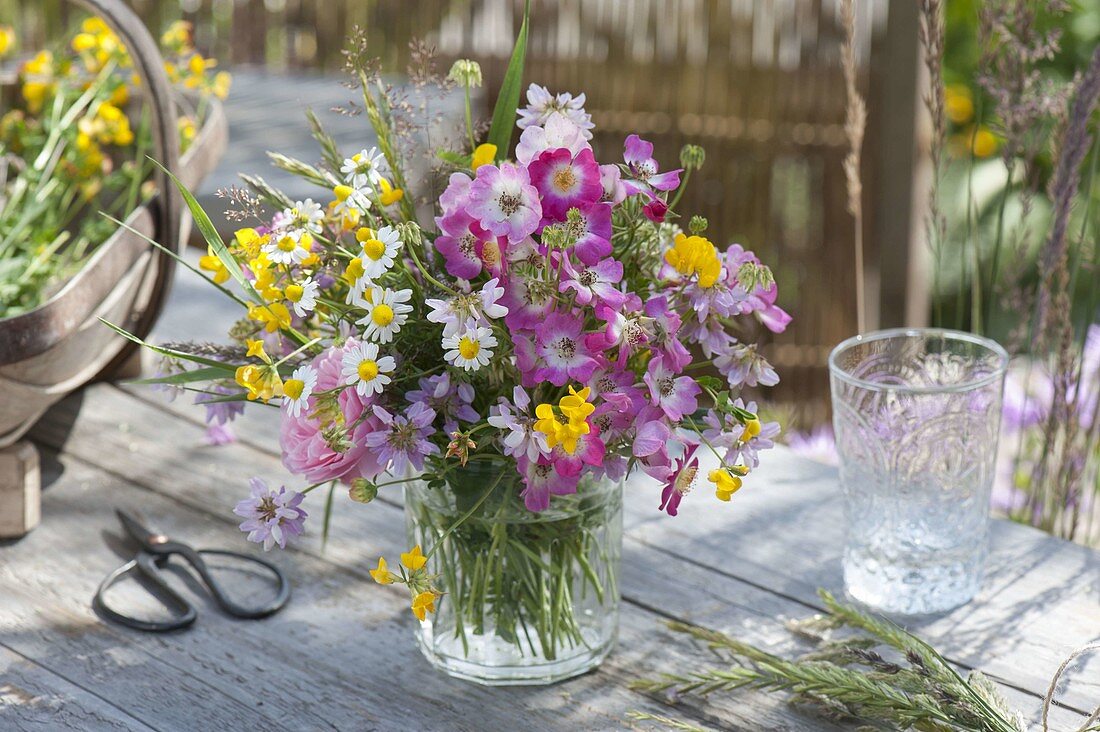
[565, 178]
[287, 244]
[293, 388]
[294, 292]
[382, 315]
[374, 249]
[468, 348]
[368, 369]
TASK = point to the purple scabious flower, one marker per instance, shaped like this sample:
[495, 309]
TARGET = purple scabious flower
[271, 516]
[542, 105]
[611, 178]
[220, 413]
[561, 347]
[504, 202]
[644, 170]
[529, 300]
[460, 242]
[540, 479]
[597, 282]
[514, 419]
[593, 232]
[449, 399]
[743, 366]
[665, 328]
[681, 481]
[565, 181]
[675, 395]
[401, 441]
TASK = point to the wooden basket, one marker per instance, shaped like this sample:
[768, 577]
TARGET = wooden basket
[59, 346]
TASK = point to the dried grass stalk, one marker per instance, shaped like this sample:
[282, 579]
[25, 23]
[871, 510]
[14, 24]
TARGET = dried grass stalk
[855, 123]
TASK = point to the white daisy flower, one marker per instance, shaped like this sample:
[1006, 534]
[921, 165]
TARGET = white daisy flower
[363, 168]
[303, 297]
[305, 214]
[360, 366]
[470, 348]
[386, 313]
[379, 250]
[290, 246]
[298, 389]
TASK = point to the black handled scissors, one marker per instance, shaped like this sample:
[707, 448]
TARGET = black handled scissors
[152, 557]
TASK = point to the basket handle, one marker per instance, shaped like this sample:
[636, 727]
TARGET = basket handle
[167, 206]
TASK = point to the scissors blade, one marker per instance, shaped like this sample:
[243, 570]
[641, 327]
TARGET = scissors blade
[147, 538]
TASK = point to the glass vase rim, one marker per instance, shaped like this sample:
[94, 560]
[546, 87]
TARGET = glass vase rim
[995, 374]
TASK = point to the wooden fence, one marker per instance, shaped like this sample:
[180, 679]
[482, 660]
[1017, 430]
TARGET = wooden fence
[757, 84]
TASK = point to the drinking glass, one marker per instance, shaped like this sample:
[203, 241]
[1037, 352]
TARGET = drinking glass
[916, 415]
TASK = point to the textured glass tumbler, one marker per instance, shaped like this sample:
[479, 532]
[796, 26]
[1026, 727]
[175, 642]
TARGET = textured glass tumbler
[916, 415]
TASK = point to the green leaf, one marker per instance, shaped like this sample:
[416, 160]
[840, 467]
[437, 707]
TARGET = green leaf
[213, 239]
[504, 114]
[207, 373]
[710, 382]
[328, 516]
[169, 351]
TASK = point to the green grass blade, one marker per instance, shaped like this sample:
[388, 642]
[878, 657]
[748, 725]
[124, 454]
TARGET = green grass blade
[224, 367]
[504, 114]
[206, 373]
[213, 239]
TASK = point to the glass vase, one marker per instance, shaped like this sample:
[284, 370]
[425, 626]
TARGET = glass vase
[916, 415]
[529, 598]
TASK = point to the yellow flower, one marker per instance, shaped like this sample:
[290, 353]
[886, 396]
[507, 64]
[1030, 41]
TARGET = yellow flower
[261, 380]
[178, 36]
[752, 429]
[414, 559]
[725, 483]
[187, 129]
[568, 422]
[7, 40]
[220, 86]
[983, 143]
[211, 263]
[256, 348]
[250, 241]
[485, 154]
[354, 270]
[389, 194]
[423, 604]
[272, 316]
[576, 406]
[691, 255]
[958, 104]
[382, 575]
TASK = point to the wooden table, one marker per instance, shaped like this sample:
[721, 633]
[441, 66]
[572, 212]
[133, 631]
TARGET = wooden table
[341, 655]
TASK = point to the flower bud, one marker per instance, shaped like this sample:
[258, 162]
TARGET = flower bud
[466, 72]
[362, 490]
[697, 225]
[410, 233]
[692, 157]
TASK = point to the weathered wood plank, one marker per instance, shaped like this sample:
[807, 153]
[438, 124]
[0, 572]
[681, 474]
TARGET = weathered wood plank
[320, 663]
[1041, 598]
[34, 698]
[687, 588]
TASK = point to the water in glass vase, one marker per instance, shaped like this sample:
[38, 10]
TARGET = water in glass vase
[529, 598]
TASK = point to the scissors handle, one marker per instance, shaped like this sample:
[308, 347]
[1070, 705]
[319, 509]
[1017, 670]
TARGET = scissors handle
[282, 591]
[145, 564]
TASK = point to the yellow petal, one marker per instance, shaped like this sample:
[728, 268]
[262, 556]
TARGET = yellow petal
[414, 559]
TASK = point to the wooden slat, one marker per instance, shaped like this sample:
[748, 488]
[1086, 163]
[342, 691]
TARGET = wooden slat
[690, 568]
[34, 698]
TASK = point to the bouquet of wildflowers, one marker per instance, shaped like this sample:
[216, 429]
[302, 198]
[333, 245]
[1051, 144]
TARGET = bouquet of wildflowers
[69, 149]
[547, 331]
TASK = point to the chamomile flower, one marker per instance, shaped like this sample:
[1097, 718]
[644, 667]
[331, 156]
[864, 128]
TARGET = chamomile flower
[303, 297]
[357, 280]
[305, 214]
[298, 389]
[387, 311]
[290, 246]
[361, 367]
[379, 249]
[363, 168]
[471, 347]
